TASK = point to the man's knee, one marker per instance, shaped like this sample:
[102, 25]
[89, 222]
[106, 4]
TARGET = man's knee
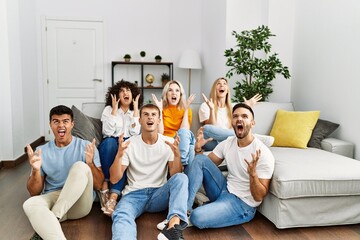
[180, 179]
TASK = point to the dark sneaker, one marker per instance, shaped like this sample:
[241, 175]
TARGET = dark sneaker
[36, 237]
[174, 233]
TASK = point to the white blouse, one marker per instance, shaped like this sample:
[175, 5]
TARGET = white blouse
[114, 126]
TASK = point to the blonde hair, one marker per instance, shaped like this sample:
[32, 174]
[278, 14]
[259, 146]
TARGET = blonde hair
[180, 105]
[214, 97]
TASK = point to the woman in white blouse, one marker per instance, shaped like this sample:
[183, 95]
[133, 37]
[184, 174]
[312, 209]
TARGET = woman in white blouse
[120, 116]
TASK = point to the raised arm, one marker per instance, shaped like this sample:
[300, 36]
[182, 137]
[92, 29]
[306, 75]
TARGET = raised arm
[159, 104]
[258, 187]
[210, 104]
[117, 169]
[175, 166]
[98, 175]
[35, 183]
[185, 121]
[252, 101]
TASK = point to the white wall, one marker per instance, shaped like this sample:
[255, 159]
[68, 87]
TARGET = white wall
[316, 39]
[326, 63]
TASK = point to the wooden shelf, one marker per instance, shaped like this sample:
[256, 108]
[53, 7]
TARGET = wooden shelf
[142, 64]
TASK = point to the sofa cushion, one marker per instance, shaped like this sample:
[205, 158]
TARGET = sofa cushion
[86, 127]
[321, 131]
[313, 172]
[293, 129]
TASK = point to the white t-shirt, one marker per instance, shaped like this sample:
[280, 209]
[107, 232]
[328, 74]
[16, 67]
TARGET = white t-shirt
[238, 179]
[221, 118]
[147, 164]
[113, 126]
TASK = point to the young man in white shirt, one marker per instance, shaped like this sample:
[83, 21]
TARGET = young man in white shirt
[148, 158]
[233, 200]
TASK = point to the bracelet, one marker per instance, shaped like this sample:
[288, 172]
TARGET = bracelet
[199, 151]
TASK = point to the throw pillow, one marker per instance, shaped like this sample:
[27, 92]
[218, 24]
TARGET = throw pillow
[86, 127]
[321, 131]
[293, 128]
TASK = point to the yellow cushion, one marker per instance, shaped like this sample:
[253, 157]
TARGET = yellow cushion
[293, 129]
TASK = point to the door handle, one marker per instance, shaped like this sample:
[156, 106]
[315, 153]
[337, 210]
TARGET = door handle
[97, 80]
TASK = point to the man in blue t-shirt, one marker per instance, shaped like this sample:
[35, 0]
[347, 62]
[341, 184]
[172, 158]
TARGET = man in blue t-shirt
[63, 174]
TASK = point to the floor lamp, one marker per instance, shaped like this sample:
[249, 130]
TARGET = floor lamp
[190, 59]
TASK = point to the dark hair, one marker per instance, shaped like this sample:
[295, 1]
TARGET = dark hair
[60, 110]
[150, 105]
[115, 89]
[243, 105]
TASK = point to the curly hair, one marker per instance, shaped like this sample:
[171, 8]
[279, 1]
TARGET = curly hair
[115, 89]
[60, 110]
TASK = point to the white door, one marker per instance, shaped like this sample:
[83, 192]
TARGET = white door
[75, 64]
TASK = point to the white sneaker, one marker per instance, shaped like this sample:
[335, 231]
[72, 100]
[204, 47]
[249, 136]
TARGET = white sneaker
[162, 225]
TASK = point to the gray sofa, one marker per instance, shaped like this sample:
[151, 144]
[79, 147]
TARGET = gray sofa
[310, 187]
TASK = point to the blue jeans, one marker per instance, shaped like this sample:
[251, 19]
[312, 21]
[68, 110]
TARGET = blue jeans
[217, 133]
[172, 195]
[225, 209]
[186, 146]
[107, 151]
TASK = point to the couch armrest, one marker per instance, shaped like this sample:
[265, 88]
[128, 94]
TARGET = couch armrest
[338, 146]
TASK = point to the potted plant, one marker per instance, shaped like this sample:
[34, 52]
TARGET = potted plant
[158, 58]
[165, 78]
[257, 72]
[142, 55]
[127, 57]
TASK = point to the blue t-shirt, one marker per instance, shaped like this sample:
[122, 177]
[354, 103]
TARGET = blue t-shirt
[57, 161]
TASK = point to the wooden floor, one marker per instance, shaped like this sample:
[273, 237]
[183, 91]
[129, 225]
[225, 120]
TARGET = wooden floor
[14, 224]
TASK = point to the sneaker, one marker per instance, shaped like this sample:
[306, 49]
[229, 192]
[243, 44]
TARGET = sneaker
[162, 225]
[109, 207]
[103, 197]
[35, 236]
[174, 233]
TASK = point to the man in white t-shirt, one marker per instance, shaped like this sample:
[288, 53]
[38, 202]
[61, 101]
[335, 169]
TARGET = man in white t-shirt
[148, 158]
[233, 200]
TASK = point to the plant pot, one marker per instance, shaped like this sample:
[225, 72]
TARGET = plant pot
[127, 59]
[164, 82]
[157, 60]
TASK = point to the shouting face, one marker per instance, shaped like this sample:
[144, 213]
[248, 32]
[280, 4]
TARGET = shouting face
[61, 126]
[222, 88]
[125, 96]
[242, 122]
[173, 94]
[149, 119]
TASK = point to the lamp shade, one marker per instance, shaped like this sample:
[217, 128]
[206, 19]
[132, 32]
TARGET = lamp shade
[190, 59]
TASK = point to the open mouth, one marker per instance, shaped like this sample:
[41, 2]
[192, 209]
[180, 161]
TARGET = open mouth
[240, 127]
[221, 90]
[150, 123]
[126, 98]
[61, 133]
[173, 98]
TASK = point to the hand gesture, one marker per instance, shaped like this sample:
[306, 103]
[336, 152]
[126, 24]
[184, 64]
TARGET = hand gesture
[35, 159]
[114, 104]
[200, 141]
[190, 99]
[122, 146]
[158, 103]
[90, 152]
[252, 101]
[208, 102]
[136, 102]
[175, 146]
[252, 165]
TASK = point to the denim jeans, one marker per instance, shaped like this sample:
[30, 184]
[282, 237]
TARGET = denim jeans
[186, 146]
[217, 133]
[107, 151]
[172, 195]
[225, 209]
